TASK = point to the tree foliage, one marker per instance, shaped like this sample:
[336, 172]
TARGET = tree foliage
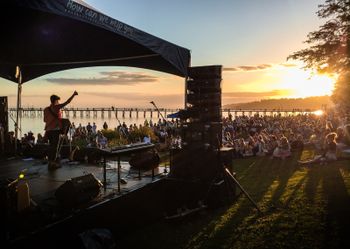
[330, 45]
[341, 94]
[329, 50]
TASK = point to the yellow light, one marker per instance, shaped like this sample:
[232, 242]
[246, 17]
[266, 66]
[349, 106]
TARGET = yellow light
[21, 176]
[318, 112]
[305, 83]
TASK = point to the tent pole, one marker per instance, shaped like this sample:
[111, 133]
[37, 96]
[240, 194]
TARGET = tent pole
[186, 79]
[185, 107]
[19, 95]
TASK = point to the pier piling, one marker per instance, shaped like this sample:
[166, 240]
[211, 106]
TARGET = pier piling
[100, 112]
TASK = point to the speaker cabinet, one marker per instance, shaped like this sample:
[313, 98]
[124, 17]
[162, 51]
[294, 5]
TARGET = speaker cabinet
[201, 129]
[205, 72]
[78, 190]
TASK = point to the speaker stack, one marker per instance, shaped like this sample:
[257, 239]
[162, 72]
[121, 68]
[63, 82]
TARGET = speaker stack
[4, 124]
[201, 125]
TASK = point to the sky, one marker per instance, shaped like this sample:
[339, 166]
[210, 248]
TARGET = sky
[251, 39]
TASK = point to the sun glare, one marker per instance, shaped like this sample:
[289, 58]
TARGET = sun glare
[305, 84]
[318, 113]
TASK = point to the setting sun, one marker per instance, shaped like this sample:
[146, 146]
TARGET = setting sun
[274, 81]
[303, 83]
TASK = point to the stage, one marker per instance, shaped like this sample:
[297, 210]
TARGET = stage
[42, 182]
[46, 210]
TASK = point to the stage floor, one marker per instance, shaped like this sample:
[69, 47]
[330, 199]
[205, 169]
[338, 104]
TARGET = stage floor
[43, 182]
[46, 209]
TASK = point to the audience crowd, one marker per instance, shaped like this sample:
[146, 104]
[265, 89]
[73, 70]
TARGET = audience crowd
[278, 136]
[275, 136]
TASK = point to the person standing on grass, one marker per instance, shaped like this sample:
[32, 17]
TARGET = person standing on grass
[105, 125]
[94, 128]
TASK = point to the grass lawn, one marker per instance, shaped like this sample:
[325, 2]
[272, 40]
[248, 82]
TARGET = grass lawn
[303, 207]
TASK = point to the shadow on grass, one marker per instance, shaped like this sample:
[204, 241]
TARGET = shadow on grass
[216, 227]
[226, 230]
[338, 206]
[317, 215]
[303, 208]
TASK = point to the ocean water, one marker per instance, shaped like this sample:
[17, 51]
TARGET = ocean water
[36, 124]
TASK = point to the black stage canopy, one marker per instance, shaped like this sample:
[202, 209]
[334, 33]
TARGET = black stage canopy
[45, 36]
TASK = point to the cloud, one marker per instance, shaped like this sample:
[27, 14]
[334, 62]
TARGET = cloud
[288, 64]
[242, 97]
[134, 99]
[230, 69]
[178, 98]
[255, 68]
[108, 78]
[132, 95]
[248, 68]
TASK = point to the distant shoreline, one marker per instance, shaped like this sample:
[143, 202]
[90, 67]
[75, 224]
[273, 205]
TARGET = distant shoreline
[312, 103]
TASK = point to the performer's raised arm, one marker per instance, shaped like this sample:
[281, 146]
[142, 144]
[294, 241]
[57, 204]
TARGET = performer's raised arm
[68, 100]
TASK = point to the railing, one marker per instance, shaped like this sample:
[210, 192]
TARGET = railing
[150, 112]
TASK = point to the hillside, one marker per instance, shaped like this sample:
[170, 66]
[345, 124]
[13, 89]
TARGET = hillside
[313, 103]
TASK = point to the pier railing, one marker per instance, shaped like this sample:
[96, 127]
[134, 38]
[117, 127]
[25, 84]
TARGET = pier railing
[149, 112]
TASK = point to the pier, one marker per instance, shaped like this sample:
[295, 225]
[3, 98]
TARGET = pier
[32, 112]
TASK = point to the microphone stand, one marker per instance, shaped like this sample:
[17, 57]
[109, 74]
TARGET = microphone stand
[167, 124]
[121, 127]
[155, 106]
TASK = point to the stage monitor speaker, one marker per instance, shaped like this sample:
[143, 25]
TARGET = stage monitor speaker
[78, 190]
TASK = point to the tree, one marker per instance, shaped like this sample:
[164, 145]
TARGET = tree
[329, 50]
[341, 94]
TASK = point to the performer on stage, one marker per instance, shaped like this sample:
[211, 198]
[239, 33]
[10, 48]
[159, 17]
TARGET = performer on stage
[54, 126]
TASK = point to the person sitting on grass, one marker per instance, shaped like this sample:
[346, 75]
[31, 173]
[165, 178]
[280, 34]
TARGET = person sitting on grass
[283, 149]
[248, 149]
[341, 138]
[344, 148]
[261, 146]
[316, 140]
[330, 151]
[298, 143]
[347, 134]
[331, 147]
[271, 144]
